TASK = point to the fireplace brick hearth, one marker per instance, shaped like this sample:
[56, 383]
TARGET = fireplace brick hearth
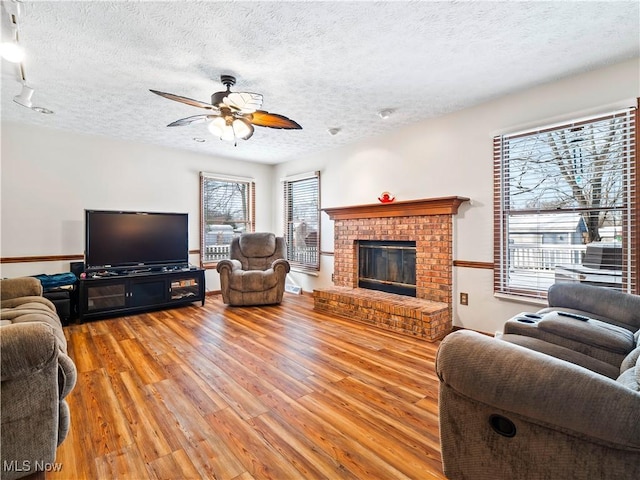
[429, 223]
[411, 316]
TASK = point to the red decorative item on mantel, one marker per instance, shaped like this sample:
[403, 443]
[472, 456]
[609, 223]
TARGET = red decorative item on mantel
[386, 197]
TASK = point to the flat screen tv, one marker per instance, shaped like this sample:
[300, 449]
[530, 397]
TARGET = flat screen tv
[121, 240]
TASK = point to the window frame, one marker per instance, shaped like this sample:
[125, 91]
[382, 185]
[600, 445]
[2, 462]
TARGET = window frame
[250, 214]
[289, 234]
[631, 208]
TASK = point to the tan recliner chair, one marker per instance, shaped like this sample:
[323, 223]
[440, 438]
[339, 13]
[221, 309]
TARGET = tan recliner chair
[256, 271]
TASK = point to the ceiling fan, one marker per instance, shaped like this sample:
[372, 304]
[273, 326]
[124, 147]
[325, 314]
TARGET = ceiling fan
[232, 114]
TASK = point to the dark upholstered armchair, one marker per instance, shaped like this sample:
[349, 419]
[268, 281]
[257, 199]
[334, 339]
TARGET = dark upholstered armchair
[256, 271]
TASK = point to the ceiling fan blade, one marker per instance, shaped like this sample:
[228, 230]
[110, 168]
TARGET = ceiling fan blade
[188, 101]
[272, 120]
[190, 120]
[243, 102]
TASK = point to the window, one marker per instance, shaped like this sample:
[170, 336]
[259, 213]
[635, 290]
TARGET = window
[302, 220]
[565, 206]
[226, 209]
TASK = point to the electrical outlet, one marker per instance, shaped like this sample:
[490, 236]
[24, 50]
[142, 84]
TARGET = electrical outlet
[464, 299]
[332, 277]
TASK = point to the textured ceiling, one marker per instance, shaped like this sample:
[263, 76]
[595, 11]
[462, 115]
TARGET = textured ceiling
[323, 64]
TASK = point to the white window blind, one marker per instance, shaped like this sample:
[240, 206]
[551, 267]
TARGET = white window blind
[227, 206]
[565, 206]
[302, 220]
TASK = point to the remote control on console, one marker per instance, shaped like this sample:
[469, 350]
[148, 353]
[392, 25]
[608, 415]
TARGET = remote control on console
[574, 315]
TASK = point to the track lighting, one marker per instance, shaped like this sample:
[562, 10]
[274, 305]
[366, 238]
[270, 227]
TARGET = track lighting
[24, 98]
[11, 50]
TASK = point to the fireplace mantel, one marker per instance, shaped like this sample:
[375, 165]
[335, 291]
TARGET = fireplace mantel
[407, 208]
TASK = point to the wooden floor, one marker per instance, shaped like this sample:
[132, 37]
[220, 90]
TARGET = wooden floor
[279, 392]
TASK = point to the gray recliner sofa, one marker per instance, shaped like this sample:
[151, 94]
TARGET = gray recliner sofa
[558, 399]
[37, 375]
[600, 332]
[256, 271]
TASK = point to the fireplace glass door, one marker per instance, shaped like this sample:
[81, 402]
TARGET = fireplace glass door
[389, 266]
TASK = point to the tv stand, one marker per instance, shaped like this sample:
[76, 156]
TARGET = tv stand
[139, 291]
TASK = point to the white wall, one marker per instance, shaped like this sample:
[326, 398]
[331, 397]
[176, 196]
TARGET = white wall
[452, 155]
[50, 177]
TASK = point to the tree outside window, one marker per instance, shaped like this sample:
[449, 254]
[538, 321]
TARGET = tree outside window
[227, 206]
[565, 206]
[302, 220]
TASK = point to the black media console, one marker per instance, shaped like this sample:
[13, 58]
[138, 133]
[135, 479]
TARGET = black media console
[112, 293]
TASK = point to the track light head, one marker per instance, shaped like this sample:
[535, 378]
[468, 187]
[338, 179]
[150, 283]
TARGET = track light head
[24, 98]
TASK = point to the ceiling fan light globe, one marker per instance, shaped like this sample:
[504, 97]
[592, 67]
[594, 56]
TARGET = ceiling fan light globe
[242, 129]
[227, 134]
[217, 126]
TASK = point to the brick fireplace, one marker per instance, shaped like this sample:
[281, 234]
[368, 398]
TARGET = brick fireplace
[428, 223]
